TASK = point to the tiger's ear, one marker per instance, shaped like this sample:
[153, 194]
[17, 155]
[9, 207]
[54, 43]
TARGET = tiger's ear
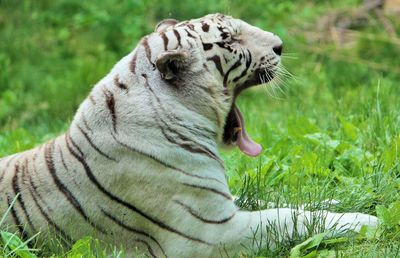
[164, 24]
[171, 62]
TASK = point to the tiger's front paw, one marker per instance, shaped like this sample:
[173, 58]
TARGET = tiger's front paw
[343, 222]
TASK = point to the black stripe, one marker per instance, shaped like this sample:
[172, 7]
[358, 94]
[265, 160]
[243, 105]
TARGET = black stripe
[85, 123]
[197, 216]
[187, 143]
[191, 26]
[34, 192]
[248, 63]
[217, 61]
[207, 46]
[224, 46]
[164, 163]
[32, 183]
[63, 160]
[48, 153]
[206, 188]
[189, 34]
[233, 67]
[178, 37]
[132, 64]
[187, 146]
[226, 59]
[113, 197]
[205, 27]
[119, 84]
[20, 200]
[151, 252]
[65, 165]
[147, 49]
[110, 101]
[220, 28]
[131, 229]
[93, 145]
[224, 35]
[67, 135]
[195, 130]
[165, 40]
[16, 219]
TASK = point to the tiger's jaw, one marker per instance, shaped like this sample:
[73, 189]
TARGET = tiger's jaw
[234, 130]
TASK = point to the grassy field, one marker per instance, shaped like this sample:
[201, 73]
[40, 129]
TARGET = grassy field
[331, 131]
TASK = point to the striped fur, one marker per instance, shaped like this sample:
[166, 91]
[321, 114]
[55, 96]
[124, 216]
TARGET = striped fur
[139, 165]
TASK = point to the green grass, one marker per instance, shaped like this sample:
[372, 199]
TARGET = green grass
[333, 133]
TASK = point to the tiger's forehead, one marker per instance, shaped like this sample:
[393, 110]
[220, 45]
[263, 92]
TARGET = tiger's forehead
[211, 22]
[214, 18]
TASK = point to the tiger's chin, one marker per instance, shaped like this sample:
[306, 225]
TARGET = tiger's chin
[235, 133]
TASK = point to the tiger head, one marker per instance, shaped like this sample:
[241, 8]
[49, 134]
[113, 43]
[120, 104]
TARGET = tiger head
[197, 68]
[236, 54]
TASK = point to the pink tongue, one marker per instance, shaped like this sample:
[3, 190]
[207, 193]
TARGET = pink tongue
[245, 143]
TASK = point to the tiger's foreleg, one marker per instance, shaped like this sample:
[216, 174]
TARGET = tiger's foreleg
[265, 229]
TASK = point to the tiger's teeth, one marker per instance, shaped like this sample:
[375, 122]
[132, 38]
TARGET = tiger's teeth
[237, 129]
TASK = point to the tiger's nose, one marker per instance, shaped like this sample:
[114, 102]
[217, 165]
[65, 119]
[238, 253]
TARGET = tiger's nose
[278, 49]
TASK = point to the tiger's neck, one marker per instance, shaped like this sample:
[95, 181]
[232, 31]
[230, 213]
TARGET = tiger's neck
[132, 111]
[168, 138]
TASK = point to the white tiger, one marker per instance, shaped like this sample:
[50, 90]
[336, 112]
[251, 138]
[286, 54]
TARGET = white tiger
[139, 166]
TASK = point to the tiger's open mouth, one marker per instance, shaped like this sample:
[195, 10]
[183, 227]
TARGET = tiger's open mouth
[234, 130]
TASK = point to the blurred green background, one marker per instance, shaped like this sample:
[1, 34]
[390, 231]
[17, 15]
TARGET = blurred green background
[53, 52]
[332, 127]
